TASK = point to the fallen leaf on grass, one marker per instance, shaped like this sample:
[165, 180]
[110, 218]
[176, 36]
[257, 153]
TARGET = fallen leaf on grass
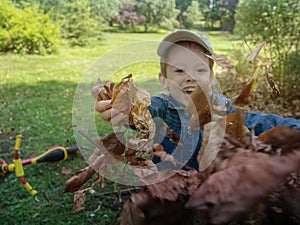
[79, 179]
[79, 200]
[66, 171]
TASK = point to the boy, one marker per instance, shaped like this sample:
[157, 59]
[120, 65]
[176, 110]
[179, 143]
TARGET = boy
[184, 65]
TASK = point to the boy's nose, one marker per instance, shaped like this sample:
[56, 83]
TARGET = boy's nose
[188, 78]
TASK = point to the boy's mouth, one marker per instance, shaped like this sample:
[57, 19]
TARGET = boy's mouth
[188, 90]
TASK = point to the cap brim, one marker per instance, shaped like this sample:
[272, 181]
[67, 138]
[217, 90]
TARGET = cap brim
[180, 35]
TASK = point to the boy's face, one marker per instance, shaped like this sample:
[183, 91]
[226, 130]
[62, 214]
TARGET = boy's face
[186, 68]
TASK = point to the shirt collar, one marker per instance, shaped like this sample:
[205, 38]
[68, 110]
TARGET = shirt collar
[173, 104]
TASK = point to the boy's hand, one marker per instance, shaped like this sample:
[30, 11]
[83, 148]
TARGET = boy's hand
[104, 107]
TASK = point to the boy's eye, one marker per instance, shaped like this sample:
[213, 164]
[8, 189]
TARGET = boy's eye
[179, 71]
[202, 70]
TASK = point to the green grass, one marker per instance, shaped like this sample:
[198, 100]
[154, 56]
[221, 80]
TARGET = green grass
[36, 97]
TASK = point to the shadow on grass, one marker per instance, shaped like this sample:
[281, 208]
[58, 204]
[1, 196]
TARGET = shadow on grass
[42, 113]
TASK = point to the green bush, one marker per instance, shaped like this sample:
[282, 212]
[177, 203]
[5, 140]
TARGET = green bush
[276, 23]
[26, 31]
[78, 25]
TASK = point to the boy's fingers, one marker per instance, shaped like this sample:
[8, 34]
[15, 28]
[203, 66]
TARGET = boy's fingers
[114, 116]
[95, 91]
[103, 105]
[106, 115]
[117, 119]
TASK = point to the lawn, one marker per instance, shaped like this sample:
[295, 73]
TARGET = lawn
[36, 99]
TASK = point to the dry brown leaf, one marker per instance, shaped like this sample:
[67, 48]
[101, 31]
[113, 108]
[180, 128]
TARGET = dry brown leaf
[80, 195]
[174, 137]
[99, 163]
[114, 143]
[79, 179]
[235, 127]
[134, 102]
[231, 193]
[252, 56]
[199, 107]
[246, 92]
[243, 97]
[148, 173]
[79, 200]
[142, 209]
[130, 155]
[140, 117]
[105, 91]
[120, 86]
[221, 140]
[286, 197]
[273, 84]
[211, 142]
[164, 156]
[177, 186]
[122, 96]
[132, 214]
[222, 61]
[103, 183]
[282, 137]
[169, 189]
[66, 171]
[157, 147]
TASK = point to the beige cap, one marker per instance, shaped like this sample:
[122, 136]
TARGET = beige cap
[183, 35]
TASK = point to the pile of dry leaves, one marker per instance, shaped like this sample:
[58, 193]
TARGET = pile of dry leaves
[244, 178]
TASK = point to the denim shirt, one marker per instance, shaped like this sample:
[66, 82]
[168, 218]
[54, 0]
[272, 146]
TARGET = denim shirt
[165, 110]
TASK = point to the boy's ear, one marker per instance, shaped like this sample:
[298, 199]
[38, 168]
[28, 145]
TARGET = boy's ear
[163, 81]
[212, 75]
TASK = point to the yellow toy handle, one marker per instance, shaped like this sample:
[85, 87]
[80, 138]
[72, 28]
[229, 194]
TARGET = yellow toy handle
[19, 167]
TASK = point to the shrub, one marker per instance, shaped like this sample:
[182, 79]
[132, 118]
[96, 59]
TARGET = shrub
[276, 23]
[78, 25]
[26, 31]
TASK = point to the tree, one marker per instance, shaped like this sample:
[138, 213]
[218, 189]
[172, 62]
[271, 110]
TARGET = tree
[227, 20]
[182, 5]
[219, 11]
[158, 13]
[191, 15]
[210, 9]
[107, 9]
[128, 15]
[78, 25]
[276, 23]
[53, 8]
[24, 30]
